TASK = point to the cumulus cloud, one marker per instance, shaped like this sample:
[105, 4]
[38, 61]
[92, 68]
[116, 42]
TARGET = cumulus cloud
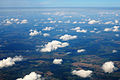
[67, 37]
[109, 22]
[116, 21]
[93, 22]
[48, 28]
[46, 34]
[117, 35]
[53, 46]
[52, 22]
[114, 29]
[10, 61]
[83, 31]
[74, 22]
[34, 32]
[108, 29]
[81, 50]
[108, 67]
[31, 76]
[77, 28]
[57, 61]
[114, 51]
[24, 21]
[82, 73]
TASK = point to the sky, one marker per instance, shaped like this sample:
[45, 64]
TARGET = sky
[59, 3]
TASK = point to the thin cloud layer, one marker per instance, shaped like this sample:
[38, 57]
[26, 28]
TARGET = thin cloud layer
[82, 73]
[108, 67]
[67, 37]
[10, 61]
[57, 61]
[53, 46]
[31, 76]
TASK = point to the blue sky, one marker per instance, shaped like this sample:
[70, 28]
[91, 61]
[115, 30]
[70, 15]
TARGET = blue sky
[59, 3]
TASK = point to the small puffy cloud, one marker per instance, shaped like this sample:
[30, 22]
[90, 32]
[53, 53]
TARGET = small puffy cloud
[116, 28]
[53, 46]
[46, 34]
[116, 21]
[57, 61]
[74, 22]
[48, 28]
[52, 22]
[60, 21]
[108, 29]
[109, 22]
[81, 50]
[82, 31]
[82, 73]
[10, 61]
[114, 51]
[93, 22]
[67, 37]
[117, 35]
[108, 67]
[81, 22]
[34, 32]
[31, 76]
[77, 28]
[24, 21]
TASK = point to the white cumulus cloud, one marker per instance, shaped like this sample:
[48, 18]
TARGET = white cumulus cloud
[31, 76]
[82, 73]
[24, 21]
[10, 61]
[46, 34]
[48, 28]
[93, 22]
[108, 67]
[34, 32]
[53, 46]
[81, 50]
[67, 37]
[57, 61]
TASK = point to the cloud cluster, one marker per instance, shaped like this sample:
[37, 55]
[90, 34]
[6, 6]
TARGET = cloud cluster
[53, 46]
[93, 22]
[114, 29]
[34, 32]
[31, 76]
[81, 50]
[10, 61]
[77, 29]
[108, 67]
[57, 61]
[67, 37]
[14, 20]
[82, 73]
[48, 28]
